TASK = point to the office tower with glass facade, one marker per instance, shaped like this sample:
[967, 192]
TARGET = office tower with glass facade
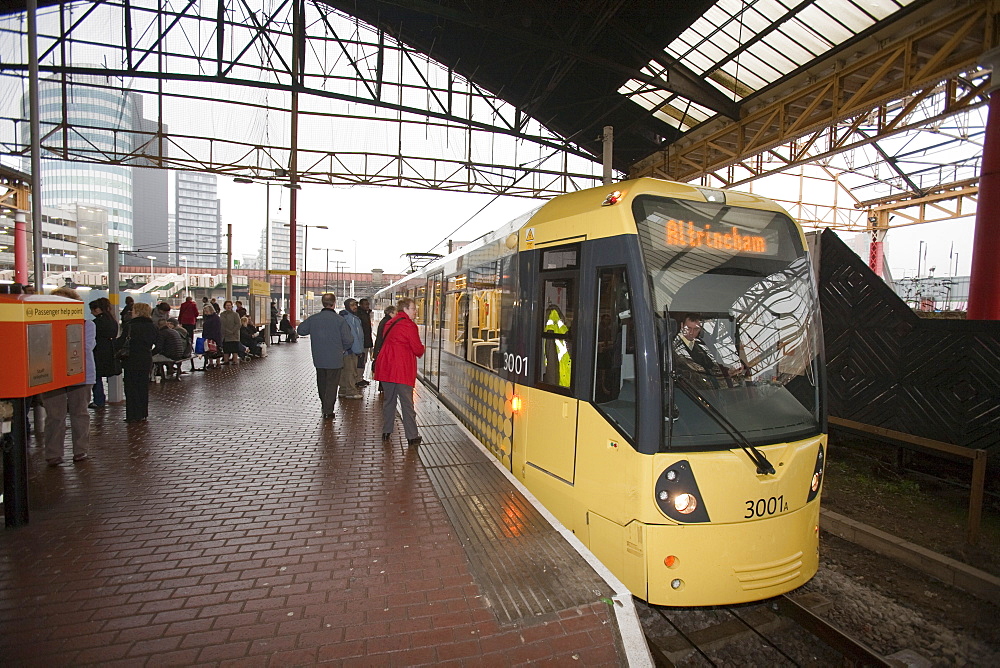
[89, 117]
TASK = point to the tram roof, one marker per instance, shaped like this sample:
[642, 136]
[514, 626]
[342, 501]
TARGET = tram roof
[652, 70]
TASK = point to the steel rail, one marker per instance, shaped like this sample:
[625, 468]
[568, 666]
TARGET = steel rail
[854, 651]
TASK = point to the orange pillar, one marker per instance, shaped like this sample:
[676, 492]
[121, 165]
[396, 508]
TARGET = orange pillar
[984, 287]
[20, 247]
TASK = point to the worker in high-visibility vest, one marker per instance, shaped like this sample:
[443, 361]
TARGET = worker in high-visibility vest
[555, 324]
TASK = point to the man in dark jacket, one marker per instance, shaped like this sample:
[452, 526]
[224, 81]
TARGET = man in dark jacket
[365, 313]
[169, 343]
[330, 337]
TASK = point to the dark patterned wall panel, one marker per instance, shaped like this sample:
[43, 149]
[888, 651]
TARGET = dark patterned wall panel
[938, 379]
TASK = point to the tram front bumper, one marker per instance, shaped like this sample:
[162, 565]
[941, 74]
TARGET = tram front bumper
[721, 564]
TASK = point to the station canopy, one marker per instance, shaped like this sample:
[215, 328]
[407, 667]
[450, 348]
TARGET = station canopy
[721, 91]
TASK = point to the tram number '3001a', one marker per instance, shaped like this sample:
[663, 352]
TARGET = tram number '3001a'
[764, 507]
[516, 364]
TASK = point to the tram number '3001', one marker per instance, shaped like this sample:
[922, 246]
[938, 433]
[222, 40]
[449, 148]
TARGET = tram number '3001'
[516, 364]
[763, 507]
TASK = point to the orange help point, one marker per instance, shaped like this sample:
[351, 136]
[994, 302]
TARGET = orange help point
[44, 342]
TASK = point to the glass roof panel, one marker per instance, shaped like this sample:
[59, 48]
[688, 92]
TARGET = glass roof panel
[850, 15]
[741, 46]
[812, 18]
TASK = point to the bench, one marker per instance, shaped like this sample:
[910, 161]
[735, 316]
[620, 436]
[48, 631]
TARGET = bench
[171, 368]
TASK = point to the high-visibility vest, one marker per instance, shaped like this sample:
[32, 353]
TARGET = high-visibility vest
[555, 324]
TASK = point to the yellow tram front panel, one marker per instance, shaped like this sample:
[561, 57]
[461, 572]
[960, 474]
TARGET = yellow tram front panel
[731, 558]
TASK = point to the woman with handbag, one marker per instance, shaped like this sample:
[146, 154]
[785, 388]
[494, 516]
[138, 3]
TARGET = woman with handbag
[105, 362]
[211, 331]
[135, 351]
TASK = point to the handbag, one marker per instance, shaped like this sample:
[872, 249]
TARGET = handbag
[123, 350]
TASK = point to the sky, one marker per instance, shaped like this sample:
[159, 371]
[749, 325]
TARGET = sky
[381, 224]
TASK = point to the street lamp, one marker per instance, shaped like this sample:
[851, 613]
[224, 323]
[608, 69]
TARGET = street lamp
[186, 279]
[150, 258]
[305, 251]
[335, 250]
[340, 271]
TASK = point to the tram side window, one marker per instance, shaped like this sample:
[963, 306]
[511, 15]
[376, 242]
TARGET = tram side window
[614, 373]
[456, 310]
[484, 315]
[558, 296]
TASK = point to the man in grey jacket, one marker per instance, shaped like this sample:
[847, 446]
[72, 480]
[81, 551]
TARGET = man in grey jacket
[349, 378]
[331, 338]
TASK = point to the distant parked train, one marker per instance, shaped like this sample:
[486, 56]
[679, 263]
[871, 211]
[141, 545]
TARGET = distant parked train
[646, 358]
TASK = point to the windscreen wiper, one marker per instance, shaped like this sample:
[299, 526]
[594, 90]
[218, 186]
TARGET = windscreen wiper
[764, 467]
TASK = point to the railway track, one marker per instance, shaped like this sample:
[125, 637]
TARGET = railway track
[782, 631]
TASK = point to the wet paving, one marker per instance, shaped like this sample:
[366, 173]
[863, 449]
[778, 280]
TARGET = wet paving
[236, 527]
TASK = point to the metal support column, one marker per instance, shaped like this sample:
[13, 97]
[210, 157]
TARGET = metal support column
[116, 391]
[15, 468]
[36, 145]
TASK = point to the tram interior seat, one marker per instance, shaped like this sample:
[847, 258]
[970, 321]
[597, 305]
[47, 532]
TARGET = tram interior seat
[483, 352]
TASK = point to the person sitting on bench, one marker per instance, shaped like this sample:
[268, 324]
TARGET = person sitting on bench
[287, 329]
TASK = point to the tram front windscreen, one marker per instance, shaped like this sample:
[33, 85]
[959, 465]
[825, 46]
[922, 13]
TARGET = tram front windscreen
[738, 323]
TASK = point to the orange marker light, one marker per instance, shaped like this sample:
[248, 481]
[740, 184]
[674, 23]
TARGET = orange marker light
[515, 403]
[670, 561]
[613, 198]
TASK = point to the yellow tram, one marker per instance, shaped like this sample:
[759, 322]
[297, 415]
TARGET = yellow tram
[646, 358]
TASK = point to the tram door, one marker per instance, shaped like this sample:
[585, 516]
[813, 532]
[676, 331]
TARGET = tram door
[551, 425]
[434, 319]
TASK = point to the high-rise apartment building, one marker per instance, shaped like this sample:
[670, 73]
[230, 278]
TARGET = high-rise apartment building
[280, 237]
[197, 221]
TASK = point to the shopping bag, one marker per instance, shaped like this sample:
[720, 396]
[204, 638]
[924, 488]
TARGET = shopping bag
[199, 346]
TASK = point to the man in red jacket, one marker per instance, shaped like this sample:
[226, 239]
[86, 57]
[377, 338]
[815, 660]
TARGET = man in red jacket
[188, 317]
[397, 369]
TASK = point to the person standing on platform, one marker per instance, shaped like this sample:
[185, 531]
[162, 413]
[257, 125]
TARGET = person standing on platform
[379, 334]
[105, 364]
[138, 337]
[365, 314]
[126, 313]
[230, 334]
[72, 400]
[396, 369]
[331, 339]
[215, 305]
[188, 317]
[349, 377]
[240, 310]
[211, 330]
[275, 317]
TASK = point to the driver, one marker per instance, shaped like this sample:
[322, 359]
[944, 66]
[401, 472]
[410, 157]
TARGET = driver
[692, 353]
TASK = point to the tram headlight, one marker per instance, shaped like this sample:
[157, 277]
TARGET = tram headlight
[677, 495]
[817, 477]
[685, 503]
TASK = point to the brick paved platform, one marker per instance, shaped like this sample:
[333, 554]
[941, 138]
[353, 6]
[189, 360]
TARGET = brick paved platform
[238, 528]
